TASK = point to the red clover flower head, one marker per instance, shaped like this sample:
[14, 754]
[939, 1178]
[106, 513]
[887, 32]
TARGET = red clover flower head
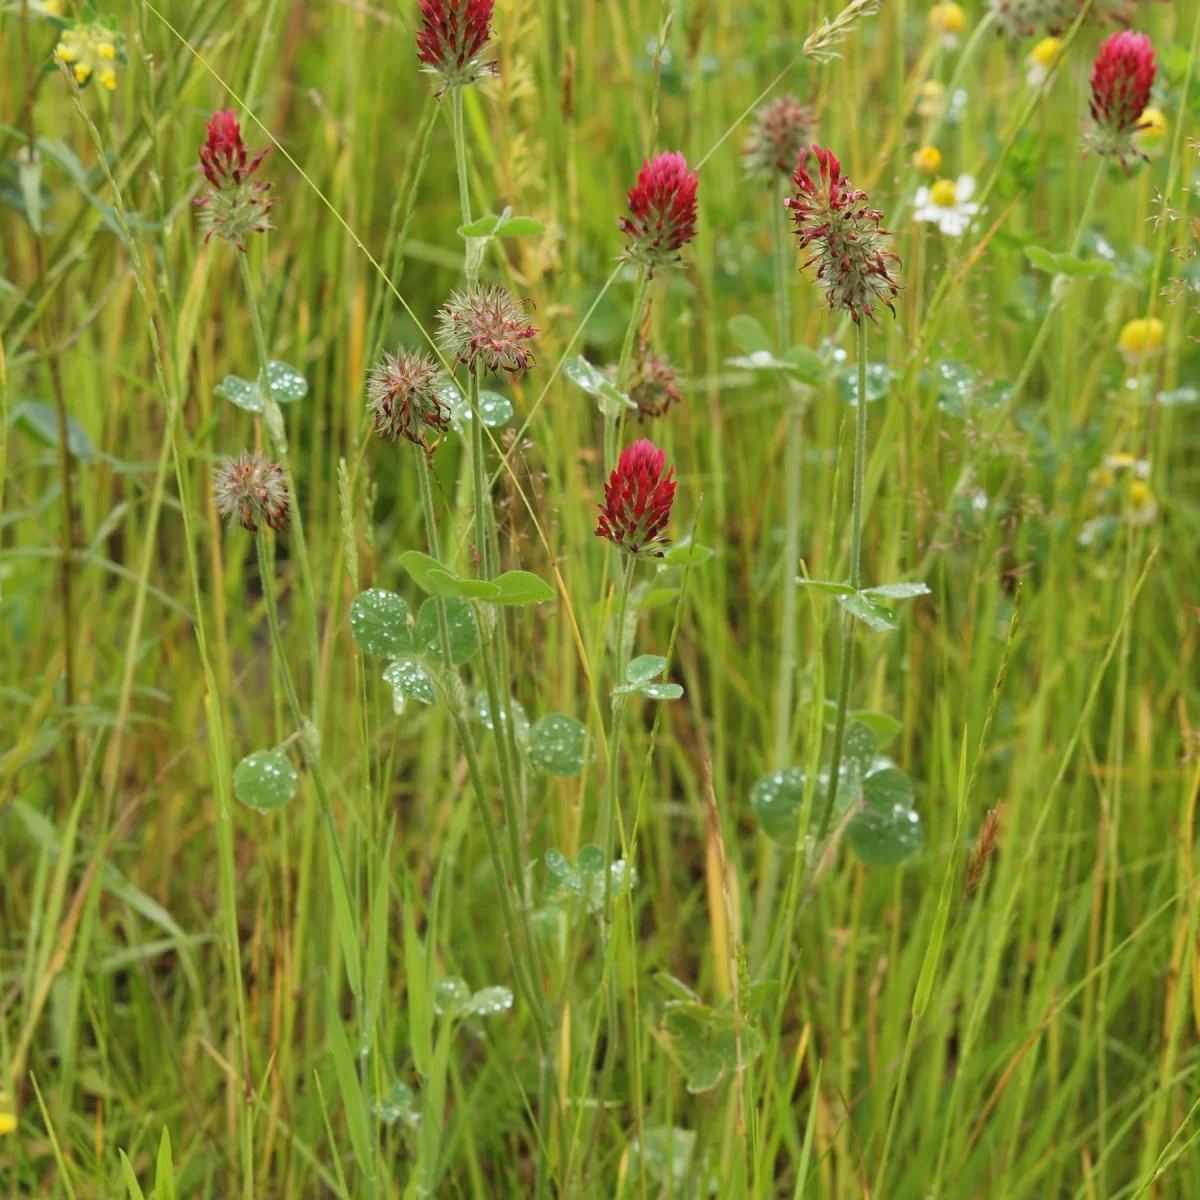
[849, 247]
[485, 327]
[778, 135]
[402, 396]
[637, 501]
[251, 489]
[1122, 76]
[235, 203]
[663, 204]
[452, 38]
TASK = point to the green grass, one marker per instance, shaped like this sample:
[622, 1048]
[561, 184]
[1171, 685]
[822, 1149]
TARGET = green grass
[172, 961]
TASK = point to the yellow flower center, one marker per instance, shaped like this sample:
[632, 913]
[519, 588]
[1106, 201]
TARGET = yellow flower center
[1120, 461]
[1046, 52]
[1152, 124]
[1140, 495]
[944, 193]
[928, 160]
[106, 50]
[947, 17]
[1142, 335]
[8, 1123]
[931, 89]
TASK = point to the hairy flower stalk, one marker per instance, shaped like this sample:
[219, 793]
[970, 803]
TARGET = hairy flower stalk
[634, 515]
[452, 39]
[403, 399]
[235, 203]
[1122, 77]
[848, 246]
[778, 135]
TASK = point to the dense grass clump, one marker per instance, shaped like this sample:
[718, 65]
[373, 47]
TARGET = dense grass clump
[599, 598]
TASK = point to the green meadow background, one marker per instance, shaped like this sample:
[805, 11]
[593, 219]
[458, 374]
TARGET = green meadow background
[1046, 1047]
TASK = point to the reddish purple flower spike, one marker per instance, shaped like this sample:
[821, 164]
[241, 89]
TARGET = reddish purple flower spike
[851, 250]
[663, 204]
[1122, 76]
[235, 203]
[452, 38]
[637, 501]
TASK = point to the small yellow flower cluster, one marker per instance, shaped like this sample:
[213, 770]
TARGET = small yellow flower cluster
[947, 18]
[1120, 489]
[929, 103]
[87, 50]
[1141, 338]
[928, 160]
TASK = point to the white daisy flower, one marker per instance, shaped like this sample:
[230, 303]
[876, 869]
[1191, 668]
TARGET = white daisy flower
[947, 205]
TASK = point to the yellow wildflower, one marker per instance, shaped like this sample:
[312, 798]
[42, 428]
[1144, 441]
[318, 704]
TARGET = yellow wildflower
[929, 105]
[928, 160]
[947, 18]
[1141, 337]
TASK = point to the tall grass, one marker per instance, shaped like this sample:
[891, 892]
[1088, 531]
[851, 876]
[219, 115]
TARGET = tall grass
[426, 974]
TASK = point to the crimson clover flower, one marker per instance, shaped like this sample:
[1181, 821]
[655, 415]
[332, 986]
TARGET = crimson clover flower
[452, 38]
[777, 137]
[235, 203]
[848, 245]
[252, 489]
[637, 501]
[663, 207]
[485, 327]
[1122, 76]
[402, 396]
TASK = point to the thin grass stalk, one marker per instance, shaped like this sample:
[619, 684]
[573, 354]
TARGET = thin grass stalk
[786, 678]
[847, 655]
[277, 431]
[614, 424]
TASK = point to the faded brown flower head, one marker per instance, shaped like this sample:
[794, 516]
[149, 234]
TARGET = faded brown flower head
[250, 489]
[485, 327]
[779, 132]
[654, 385]
[403, 399]
[850, 249]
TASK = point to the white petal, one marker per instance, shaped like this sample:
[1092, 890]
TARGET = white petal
[964, 188]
